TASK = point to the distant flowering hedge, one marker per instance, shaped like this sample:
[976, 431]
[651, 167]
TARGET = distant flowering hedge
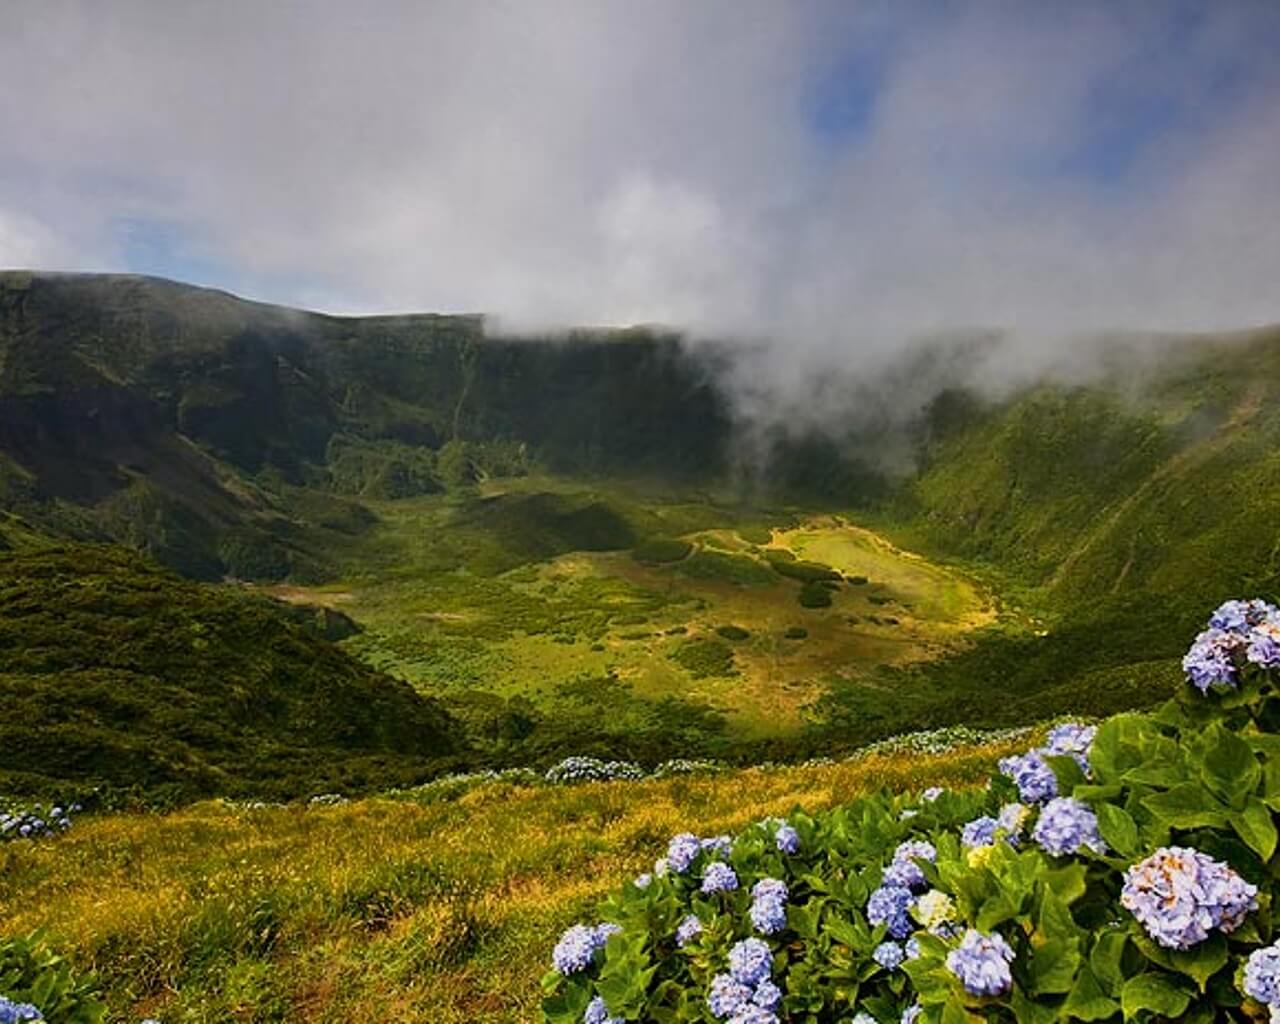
[1120, 873]
[34, 821]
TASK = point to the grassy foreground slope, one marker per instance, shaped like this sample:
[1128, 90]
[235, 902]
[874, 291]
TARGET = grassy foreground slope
[113, 670]
[383, 910]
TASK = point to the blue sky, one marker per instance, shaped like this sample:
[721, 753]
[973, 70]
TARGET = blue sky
[841, 173]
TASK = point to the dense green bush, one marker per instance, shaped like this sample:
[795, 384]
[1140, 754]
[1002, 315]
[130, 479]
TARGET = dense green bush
[734, 633]
[32, 973]
[1127, 873]
[705, 657]
[814, 595]
[805, 572]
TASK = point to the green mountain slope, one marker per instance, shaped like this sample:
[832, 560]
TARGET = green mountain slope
[115, 671]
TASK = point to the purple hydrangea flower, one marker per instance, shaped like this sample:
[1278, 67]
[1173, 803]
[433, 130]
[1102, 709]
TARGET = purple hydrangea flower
[1262, 975]
[1073, 739]
[767, 996]
[719, 877]
[1264, 645]
[576, 948]
[889, 905]
[727, 996]
[688, 930]
[787, 839]
[598, 1013]
[768, 905]
[604, 930]
[1239, 616]
[682, 851]
[1066, 826]
[1179, 895]
[889, 955]
[18, 1013]
[979, 832]
[912, 949]
[1211, 660]
[751, 1014]
[1031, 773]
[718, 845]
[750, 961]
[903, 869]
[981, 962]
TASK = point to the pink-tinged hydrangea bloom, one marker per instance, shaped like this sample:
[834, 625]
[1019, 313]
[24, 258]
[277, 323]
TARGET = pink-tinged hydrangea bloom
[1180, 895]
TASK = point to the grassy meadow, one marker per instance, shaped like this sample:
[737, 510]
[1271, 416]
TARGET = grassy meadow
[384, 910]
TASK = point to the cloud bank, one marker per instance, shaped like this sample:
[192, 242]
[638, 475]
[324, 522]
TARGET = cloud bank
[832, 177]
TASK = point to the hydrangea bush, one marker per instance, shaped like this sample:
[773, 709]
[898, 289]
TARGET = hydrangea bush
[1125, 872]
[34, 821]
[38, 985]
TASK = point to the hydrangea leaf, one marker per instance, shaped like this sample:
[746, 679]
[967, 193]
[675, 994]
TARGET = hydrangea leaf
[1106, 960]
[1186, 806]
[1153, 992]
[1117, 828]
[1052, 968]
[1256, 827]
[1229, 769]
[1087, 1001]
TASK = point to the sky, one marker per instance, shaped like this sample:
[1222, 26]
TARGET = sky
[833, 177]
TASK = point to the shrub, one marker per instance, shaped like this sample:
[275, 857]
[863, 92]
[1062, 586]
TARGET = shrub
[742, 570]
[591, 769]
[31, 973]
[805, 572]
[733, 632]
[1121, 872]
[755, 534]
[814, 595]
[705, 657]
[661, 550]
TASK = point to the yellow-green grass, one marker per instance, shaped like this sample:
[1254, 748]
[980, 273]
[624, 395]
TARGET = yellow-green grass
[381, 910]
[530, 629]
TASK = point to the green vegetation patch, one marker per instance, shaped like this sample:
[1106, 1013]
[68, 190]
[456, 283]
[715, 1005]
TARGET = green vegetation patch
[662, 550]
[742, 570]
[734, 633]
[814, 595]
[705, 657]
[805, 572]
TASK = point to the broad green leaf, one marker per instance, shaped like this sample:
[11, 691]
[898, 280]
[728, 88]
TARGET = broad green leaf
[1117, 828]
[1186, 806]
[1153, 992]
[1053, 967]
[1256, 827]
[1229, 770]
[1105, 960]
[1087, 1001]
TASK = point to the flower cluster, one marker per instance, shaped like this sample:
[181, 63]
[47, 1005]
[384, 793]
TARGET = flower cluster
[592, 769]
[718, 877]
[598, 1013]
[981, 962]
[17, 1013]
[903, 869]
[890, 905]
[1239, 632]
[1262, 975]
[1031, 773]
[934, 910]
[577, 947]
[688, 930]
[1179, 895]
[747, 993]
[769, 905]
[36, 821]
[327, 800]
[1067, 826]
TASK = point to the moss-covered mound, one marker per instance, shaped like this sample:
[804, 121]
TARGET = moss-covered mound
[114, 671]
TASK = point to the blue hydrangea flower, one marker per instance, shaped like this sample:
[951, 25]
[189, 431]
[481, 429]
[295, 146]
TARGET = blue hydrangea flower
[598, 1013]
[981, 962]
[768, 905]
[787, 839]
[889, 955]
[688, 930]
[603, 931]
[16, 1013]
[912, 949]
[752, 1014]
[979, 832]
[575, 950]
[750, 961]
[1073, 739]
[719, 877]
[1262, 975]
[1066, 826]
[889, 905]
[1211, 660]
[728, 995]
[1179, 895]
[1239, 616]
[767, 996]
[1031, 773]
[682, 851]
[903, 869]
[718, 845]
[1264, 645]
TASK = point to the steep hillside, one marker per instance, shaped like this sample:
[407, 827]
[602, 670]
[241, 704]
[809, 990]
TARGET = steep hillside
[114, 671]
